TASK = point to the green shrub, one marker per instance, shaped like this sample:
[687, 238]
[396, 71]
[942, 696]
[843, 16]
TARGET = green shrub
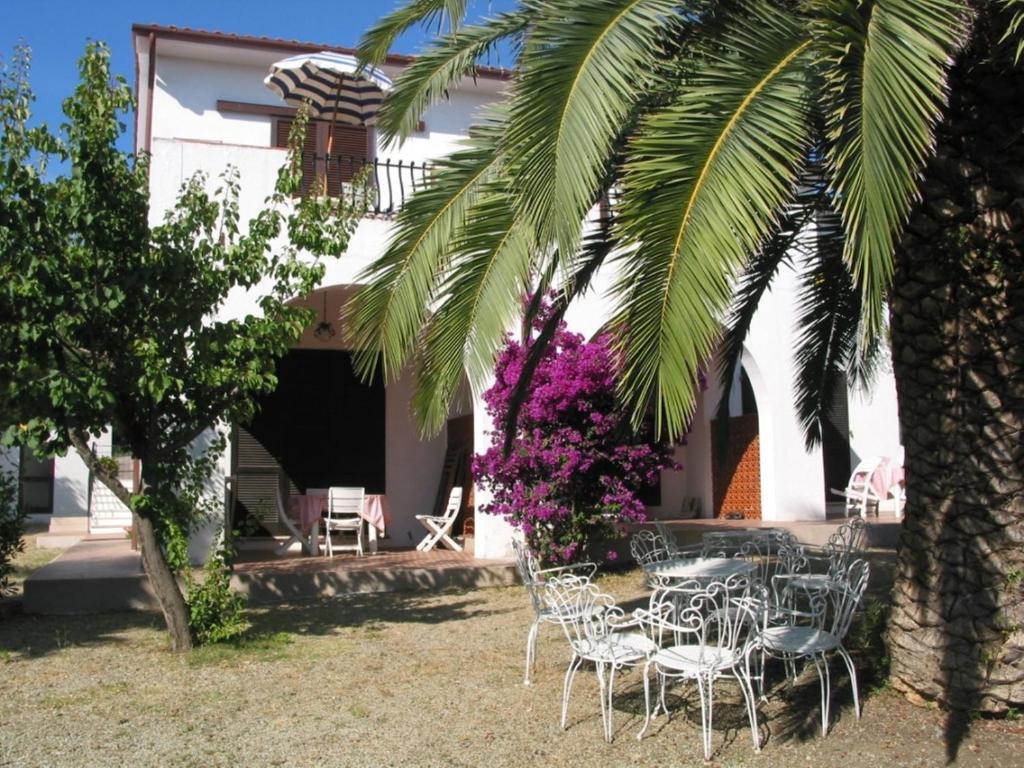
[12, 530]
[867, 640]
[215, 612]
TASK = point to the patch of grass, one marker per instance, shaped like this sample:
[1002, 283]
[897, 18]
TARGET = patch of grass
[252, 646]
[30, 559]
[89, 695]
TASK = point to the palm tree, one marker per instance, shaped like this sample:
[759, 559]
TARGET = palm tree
[715, 133]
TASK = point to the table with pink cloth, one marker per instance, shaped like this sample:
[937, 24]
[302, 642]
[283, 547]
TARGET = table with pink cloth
[886, 475]
[307, 509]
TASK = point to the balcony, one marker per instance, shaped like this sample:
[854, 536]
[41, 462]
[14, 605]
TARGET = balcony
[388, 183]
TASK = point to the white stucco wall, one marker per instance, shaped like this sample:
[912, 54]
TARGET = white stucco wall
[874, 416]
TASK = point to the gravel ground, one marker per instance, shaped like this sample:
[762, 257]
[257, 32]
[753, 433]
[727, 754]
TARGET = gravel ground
[405, 680]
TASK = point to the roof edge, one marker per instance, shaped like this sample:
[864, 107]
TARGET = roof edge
[290, 46]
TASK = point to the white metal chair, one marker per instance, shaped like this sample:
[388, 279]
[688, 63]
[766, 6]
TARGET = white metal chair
[703, 634]
[648, 548]
[598, 631]
[534, 579]
[344, 508]
[817, 626]
[439, 526]
[671, 543]
[813, 566]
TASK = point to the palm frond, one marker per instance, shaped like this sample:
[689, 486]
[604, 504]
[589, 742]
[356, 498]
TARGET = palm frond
[387, 314]
[377, 41]
[478, 301]
[702, 189]
[1014, 32]
[440, 68]
[885, 65]
[581, 72]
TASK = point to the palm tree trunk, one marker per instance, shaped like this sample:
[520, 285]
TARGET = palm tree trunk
[957, 631]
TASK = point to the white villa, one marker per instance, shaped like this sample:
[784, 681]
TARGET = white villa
[202, 106]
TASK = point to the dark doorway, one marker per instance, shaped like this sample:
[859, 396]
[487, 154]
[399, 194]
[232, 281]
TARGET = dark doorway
[321, 427]
[835, 443]
[35, 476]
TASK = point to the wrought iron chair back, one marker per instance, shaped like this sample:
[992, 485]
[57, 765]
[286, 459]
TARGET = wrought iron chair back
[587, 613]
[648, 547]
[526, 565]
[534, 578]
[717, 617]
[845, 597]
[846, 543]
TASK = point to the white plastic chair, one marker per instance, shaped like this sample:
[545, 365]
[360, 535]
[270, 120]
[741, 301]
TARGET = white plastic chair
[817, 626]
[858, 494]
[534, 579]
[344, 508]
[439, 526]
[703, 634]
[597, 631]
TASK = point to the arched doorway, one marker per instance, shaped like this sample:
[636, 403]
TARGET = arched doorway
[736, 455]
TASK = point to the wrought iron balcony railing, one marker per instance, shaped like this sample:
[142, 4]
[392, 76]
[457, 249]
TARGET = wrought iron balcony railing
[386, 184]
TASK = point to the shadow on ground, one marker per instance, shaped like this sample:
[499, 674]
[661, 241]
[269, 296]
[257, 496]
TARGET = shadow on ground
[36, 636]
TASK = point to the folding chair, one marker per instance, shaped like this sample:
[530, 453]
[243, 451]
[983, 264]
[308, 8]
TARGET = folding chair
[344, 515]
[439, 526]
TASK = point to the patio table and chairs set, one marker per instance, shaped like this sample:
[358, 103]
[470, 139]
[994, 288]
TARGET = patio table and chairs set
[327, 514]
[721, 609]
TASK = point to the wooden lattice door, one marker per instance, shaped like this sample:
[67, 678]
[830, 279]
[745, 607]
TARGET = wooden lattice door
[736, 478]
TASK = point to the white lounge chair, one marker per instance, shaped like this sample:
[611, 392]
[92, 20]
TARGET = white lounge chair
[858, 494]
[439, 526]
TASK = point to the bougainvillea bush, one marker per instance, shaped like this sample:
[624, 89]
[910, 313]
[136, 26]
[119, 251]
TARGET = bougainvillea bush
[575, 470]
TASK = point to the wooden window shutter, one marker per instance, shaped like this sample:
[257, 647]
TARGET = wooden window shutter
[309, 150]
[349, 151]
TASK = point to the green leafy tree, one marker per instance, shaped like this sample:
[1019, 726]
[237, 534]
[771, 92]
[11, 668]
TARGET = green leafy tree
[12, 530]
[719, 132]
[111, 321]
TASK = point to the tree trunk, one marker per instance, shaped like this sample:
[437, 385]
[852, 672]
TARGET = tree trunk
[164, 585]
[161, 577]
[957, 630]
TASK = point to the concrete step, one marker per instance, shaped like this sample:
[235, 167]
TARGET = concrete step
[96, 576]
[91, 577]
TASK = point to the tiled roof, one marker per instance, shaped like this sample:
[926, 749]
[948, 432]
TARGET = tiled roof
[296, 46]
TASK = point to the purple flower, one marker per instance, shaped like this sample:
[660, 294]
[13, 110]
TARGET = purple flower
[574, 472]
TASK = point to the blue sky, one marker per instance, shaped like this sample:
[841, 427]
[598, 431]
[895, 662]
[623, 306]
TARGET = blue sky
[57, 30]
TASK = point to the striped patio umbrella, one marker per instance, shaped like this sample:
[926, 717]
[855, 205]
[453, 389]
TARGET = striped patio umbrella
[332, 84]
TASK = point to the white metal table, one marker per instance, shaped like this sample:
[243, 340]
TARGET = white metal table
[701, 568]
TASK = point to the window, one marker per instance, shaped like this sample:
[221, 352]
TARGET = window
[349, 147]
